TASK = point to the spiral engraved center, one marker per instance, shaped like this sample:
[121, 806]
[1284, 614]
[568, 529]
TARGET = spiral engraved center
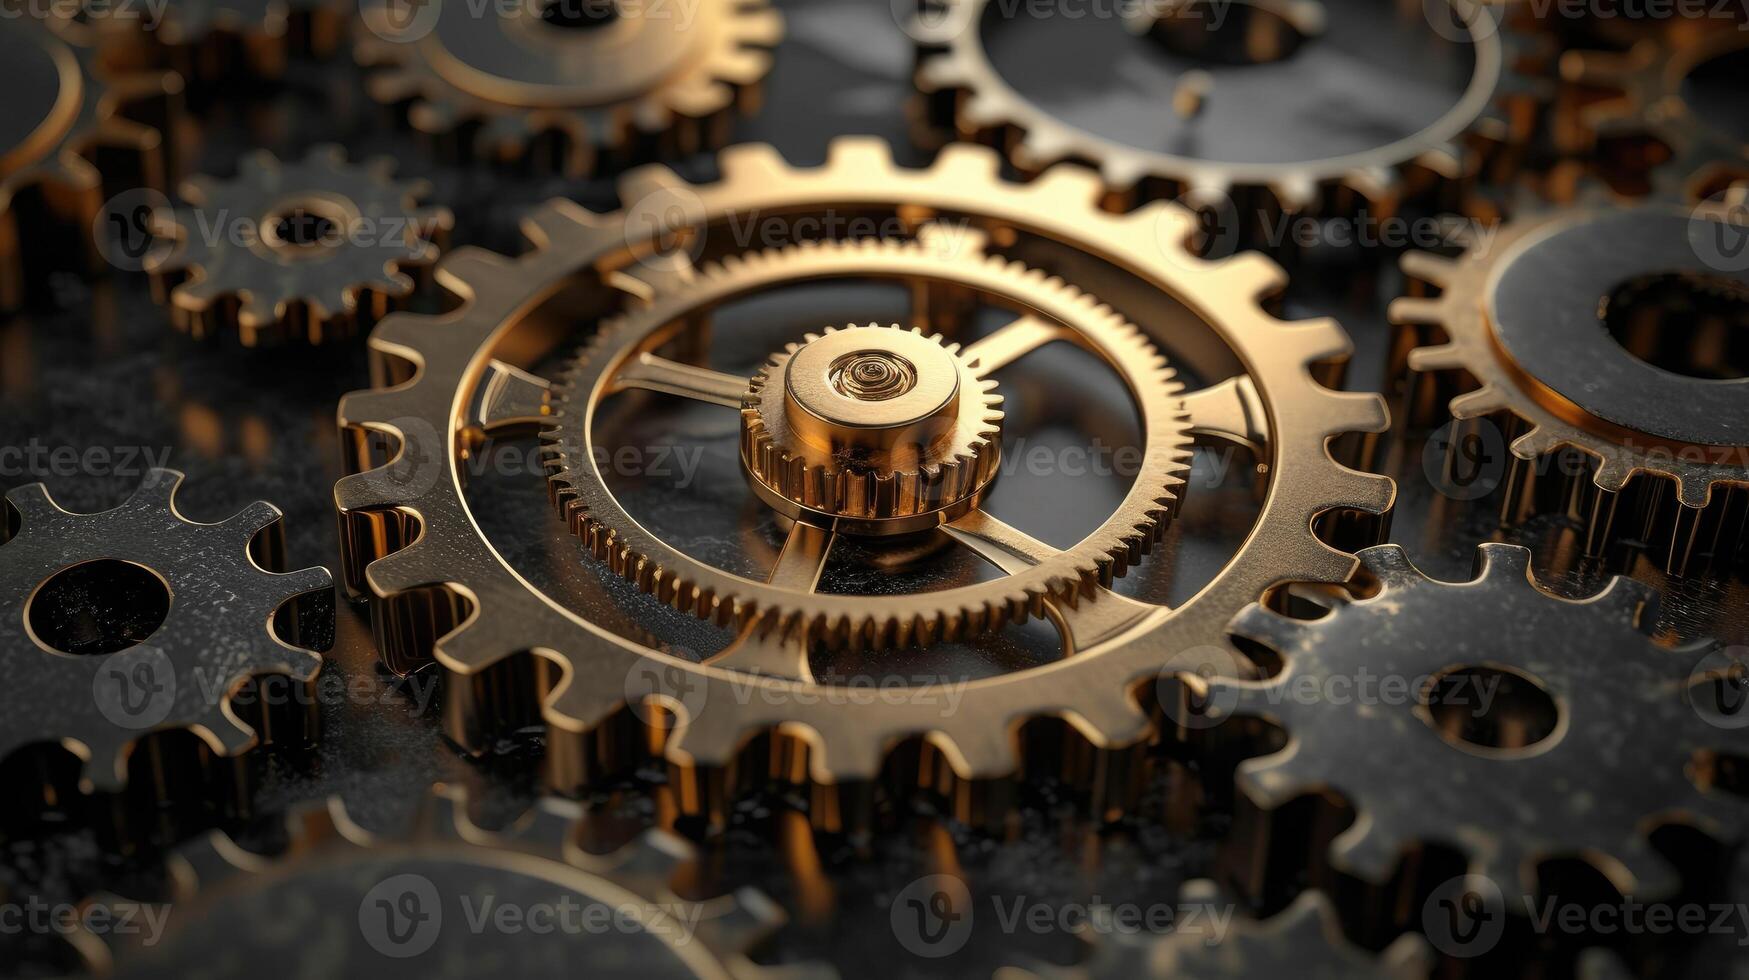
[872, 375]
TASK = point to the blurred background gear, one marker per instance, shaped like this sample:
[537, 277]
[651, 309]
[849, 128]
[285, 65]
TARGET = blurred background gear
[315, 249]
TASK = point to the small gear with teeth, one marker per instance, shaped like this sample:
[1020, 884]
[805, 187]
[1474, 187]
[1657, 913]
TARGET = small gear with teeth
[571, 84]
[1513, 749]
[87, 672]
[315, 249]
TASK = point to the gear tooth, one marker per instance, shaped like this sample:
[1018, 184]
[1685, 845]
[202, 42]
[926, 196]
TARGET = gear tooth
[32, 503]
[1295, 193]
[1537, 442]
[157, 490]
[1429, 268]
[1509, 562]
[255, 518]
[228, 736]
[1390, 564]
[1112, 721]
[1070, 183]
[1694, 493]
[1641, 871]
[653, 180]
[1484, 401]
[1410, 310]
[1366, 852]
[1273, 630]
[1252, 275]
[1271, 781]
[1613, 474]
[860, 155]
[1440, 357]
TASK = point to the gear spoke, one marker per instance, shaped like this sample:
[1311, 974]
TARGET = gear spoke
[765, 647]
[510, 398]
[998, 542]
[1013, 342]
[1229, 412]
[653, 373]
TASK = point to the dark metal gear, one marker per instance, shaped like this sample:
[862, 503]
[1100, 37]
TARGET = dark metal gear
[89, 675]
[1491, 717]
[317, 248]
[215, 40]
[342, 900]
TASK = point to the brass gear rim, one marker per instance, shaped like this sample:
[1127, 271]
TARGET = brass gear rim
[678, 79]
[445, 593]
[953, 61]
[710, 593]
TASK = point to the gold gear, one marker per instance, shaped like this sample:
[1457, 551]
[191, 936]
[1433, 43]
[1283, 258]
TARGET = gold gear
[444, 592]
[814, 451]
[619, 357]
[1670, 451]
[605, 81]
[1496, 110]
[1649, 100]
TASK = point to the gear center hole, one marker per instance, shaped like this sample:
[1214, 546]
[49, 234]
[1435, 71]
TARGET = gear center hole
[579, 14]
[304, 228]
[1687, 323]
[98, 607]
[1489, 708]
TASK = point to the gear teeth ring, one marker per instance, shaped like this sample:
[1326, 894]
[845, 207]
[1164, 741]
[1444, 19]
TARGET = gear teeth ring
[312, 250]
[232, 621]
[212, 41]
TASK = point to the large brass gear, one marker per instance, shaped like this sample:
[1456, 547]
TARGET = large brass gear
[1520, 320]
[609, 80]
[232, 910]
[328, 250]
[67, 108]
[443, 591]
[1497, 109]
[708, 592]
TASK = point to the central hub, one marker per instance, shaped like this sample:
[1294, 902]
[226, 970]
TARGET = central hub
[877, 430]
[873, 389]
[873, 375]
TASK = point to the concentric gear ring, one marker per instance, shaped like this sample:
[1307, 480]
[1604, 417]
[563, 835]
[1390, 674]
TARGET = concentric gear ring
[218, 632]
[444, 591]
[957, 73]
[692, 586]
[315, 249]
[65, 110]
[943, 461]
[233, 910]
[607, 82]
[1649, 82]
[1623, 707]
[1521, 316]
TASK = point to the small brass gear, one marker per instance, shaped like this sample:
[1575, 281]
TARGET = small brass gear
[571, 83]
[815, 449]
